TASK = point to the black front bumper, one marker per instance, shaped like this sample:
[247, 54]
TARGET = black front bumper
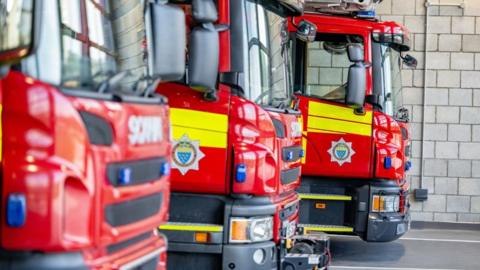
[386, 228]
[42, 261]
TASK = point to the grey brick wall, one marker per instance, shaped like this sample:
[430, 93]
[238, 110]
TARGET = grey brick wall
[452, 130]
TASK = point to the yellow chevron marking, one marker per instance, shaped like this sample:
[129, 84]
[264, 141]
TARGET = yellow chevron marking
[325, 197]
[338, 112]
[209, 128]
[191, 227]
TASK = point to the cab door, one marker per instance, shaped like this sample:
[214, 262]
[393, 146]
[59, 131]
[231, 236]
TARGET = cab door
[337, 139]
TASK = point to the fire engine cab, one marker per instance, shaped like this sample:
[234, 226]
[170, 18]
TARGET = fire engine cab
[355, 132]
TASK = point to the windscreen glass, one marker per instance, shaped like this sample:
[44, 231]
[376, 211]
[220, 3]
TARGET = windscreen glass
[266, 77]
[392, 95]
[327, 65]
[16, 24]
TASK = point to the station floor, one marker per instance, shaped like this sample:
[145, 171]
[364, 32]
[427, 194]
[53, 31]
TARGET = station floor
[425, 249]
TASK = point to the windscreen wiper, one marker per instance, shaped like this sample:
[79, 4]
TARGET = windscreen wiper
[112, 80]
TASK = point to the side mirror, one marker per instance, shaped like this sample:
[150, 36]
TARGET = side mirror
[166, 41]
[306, 31]
[18, 29]
[204, 48]
[410, 61]
[357, 74]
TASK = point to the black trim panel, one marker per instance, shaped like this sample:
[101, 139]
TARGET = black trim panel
[141, 171]
[279, 128]
[126, 243]
[100, 132]
[290, 175]
[134, 210]
[296, 153]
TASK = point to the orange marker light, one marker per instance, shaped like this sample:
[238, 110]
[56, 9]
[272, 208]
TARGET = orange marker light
[239, 230]
[320, 205]
[201, 237]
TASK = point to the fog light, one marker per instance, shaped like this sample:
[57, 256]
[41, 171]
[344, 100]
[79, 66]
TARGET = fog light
[259, 256]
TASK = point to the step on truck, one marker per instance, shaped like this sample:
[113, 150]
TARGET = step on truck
[237, 144]
[355, 128]
[85, 156]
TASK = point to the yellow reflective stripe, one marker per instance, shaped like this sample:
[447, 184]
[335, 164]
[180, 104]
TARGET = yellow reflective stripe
[190, 227]
[327, 229]
[199, 120]
[208, 128]
[337, 112]
[207, 138]
[324, 131]
[325, 197]
[319, 125]
[304, 146]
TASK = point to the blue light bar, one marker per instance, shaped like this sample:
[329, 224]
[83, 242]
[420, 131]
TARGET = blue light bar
[241, 174]
[16, 210]
[367, 14]
[124, 176]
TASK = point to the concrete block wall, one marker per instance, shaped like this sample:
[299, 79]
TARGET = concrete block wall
[452, 112]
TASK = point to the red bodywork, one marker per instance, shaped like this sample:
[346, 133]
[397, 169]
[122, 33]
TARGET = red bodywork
[47, 156]
[250, 139]
[385, 138]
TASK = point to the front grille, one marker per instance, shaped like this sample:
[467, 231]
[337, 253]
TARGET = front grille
[141, 171]
[128, 212]
[192, 208]
[124, 244]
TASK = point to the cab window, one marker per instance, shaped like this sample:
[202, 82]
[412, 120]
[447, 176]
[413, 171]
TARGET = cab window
[327, 66]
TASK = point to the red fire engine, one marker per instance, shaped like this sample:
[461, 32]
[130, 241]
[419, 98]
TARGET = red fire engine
[355, 131]
[85, 157]
[237, 143]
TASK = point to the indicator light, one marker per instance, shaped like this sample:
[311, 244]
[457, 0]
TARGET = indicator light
[124, 176]
[241, 174]
[165, 169]
[301, 154]
[290, 155]
[16, 210]
[387, 163]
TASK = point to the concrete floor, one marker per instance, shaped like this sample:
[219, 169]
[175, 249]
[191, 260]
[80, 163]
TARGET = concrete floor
[417, 250]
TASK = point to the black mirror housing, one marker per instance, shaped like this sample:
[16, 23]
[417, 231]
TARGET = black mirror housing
[306, 31]
[204, 47]
[166, 41]
[357, 77]
[204, 58]
[410, 61]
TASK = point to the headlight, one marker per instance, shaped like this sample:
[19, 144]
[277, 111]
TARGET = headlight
[387, 203]
[247, 230]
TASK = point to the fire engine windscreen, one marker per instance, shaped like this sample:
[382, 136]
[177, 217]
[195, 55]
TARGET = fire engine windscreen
[328, 65]
[16, 25]
[93, 46]
[391, 96]
[266, 77]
